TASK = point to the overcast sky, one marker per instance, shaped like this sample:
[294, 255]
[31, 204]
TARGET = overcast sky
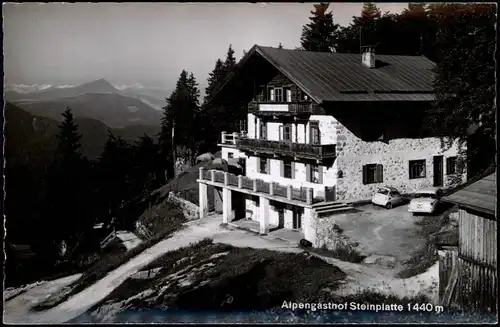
[148, 43]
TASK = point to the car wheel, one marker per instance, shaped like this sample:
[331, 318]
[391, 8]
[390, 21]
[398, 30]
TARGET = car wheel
[388, 206]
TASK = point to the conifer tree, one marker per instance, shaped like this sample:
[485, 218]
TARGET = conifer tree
[67, 212]
[320, 33]
[214, 79]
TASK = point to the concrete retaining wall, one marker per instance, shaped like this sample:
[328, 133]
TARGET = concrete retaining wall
[190, 210]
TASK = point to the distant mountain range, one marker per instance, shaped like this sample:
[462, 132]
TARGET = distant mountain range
[98, 100]
[31, 138]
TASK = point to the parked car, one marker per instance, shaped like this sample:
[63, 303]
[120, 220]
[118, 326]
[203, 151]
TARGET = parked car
[425, 200]
[387, 197]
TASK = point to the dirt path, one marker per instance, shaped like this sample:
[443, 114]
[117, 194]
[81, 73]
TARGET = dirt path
[359, 276]
[18, 309]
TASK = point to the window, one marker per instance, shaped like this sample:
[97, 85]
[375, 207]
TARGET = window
[230, 155]
[302, 95]
[279, 95]
[314, 174]
[270, 94]
[263, 166]
[263, 130]
[288, 94]
[314, 128]
[287, 169]
[261, 96]
[451, 165]
[417, 169]
[395, 194]
[286, 132]
[373, 173]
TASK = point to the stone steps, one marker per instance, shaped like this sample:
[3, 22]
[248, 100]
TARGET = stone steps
[327, 208]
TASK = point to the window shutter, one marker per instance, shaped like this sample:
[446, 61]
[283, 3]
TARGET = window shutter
[365, 169]
[380, 173]
[268, 166]
[281, 133]
[320, 174]
[293, 169]
[308, 172]
[271, 92]
[282, 168]
[288, 95]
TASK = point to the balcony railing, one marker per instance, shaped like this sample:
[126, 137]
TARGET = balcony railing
[230, 138]
[305, 195]
[310, 151]
[274, 108]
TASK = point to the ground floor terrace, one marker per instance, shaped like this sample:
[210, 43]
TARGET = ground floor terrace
[263, 207]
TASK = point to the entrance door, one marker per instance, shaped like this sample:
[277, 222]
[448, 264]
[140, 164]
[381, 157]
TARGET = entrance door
[438, 171]
[330, 193]
[297, 219]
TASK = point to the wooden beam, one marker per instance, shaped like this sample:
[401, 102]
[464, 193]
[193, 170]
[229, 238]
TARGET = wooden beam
[450, 288]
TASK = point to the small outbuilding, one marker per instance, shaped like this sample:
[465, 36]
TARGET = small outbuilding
[472, 278]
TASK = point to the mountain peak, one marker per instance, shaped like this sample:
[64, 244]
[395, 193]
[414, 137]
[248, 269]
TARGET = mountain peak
[98, 86]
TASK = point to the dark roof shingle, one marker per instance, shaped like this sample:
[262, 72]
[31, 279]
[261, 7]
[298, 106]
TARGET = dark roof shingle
[343, 77]
[480, 195]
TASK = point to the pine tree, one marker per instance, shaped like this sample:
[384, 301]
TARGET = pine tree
[214, 80]
[370, 11]
[230, 61]
[181, 115]
[465, 82]
[67, 211]
[68, 145]
[115, 169]
[229, 64]
[319, 34]
[280, 46]
[194, 120]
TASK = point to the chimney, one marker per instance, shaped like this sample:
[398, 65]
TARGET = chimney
[368, 56]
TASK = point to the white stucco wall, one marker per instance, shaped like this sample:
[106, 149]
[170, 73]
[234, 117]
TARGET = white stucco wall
[273, 131]
[329, 175]
[395, 155]
[225, 150]
[327, 128]
[300, 132]
[251, 208]
[251, 128]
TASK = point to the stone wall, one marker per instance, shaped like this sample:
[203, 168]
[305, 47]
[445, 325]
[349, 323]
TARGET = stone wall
[190, 210]
[394, 155]
[330, 236]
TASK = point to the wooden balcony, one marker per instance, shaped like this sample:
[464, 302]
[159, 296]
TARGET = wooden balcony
[230, 138]
[303, 195]
[283, 109]
[299, 150]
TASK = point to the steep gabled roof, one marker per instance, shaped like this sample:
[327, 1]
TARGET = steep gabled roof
[328, 77]
[480, 196]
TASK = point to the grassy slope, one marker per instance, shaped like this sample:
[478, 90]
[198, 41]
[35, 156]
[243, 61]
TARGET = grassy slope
[207, 276]
[197, 278]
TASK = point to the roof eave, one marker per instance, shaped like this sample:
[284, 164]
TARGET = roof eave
[290, 77]
[461, 205]
[230, 78]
